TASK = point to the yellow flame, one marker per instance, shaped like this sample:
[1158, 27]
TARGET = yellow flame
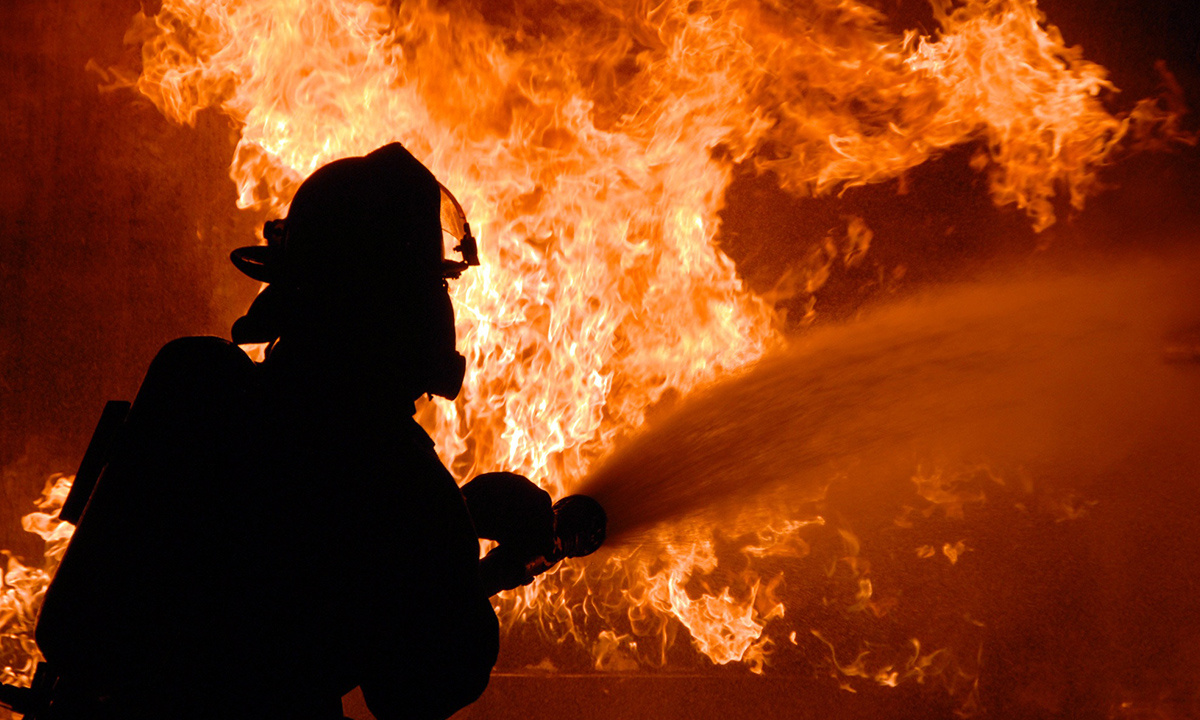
[22, 587]
[591, 145]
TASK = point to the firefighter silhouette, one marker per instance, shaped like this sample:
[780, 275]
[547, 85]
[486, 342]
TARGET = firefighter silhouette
[263, 538]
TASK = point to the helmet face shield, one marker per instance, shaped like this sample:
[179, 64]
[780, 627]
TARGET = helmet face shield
[456, 237]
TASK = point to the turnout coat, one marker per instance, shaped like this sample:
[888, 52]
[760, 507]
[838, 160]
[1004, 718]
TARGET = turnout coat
[263, 539]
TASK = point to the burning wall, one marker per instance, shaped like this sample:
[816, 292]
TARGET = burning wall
[594, 148]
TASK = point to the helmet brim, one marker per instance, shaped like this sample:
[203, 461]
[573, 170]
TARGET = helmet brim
[255, 261]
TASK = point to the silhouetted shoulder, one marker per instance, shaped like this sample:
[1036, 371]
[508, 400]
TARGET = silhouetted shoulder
[201, 360]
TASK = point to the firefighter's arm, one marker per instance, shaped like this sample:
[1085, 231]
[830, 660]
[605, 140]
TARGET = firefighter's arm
[511, 510]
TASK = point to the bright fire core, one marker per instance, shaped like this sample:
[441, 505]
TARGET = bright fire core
[591, 145]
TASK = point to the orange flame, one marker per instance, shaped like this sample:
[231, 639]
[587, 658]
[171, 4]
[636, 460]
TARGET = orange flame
[22, 587]
[591, 149]
[591, 145]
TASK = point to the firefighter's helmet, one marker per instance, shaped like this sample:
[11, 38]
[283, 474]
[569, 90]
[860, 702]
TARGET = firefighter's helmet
[363, 248]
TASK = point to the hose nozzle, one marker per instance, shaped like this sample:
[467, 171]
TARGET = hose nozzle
[580, 526]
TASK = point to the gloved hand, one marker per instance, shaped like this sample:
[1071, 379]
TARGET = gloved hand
[508, 508]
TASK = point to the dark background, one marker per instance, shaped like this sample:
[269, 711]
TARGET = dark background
[115, 228]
